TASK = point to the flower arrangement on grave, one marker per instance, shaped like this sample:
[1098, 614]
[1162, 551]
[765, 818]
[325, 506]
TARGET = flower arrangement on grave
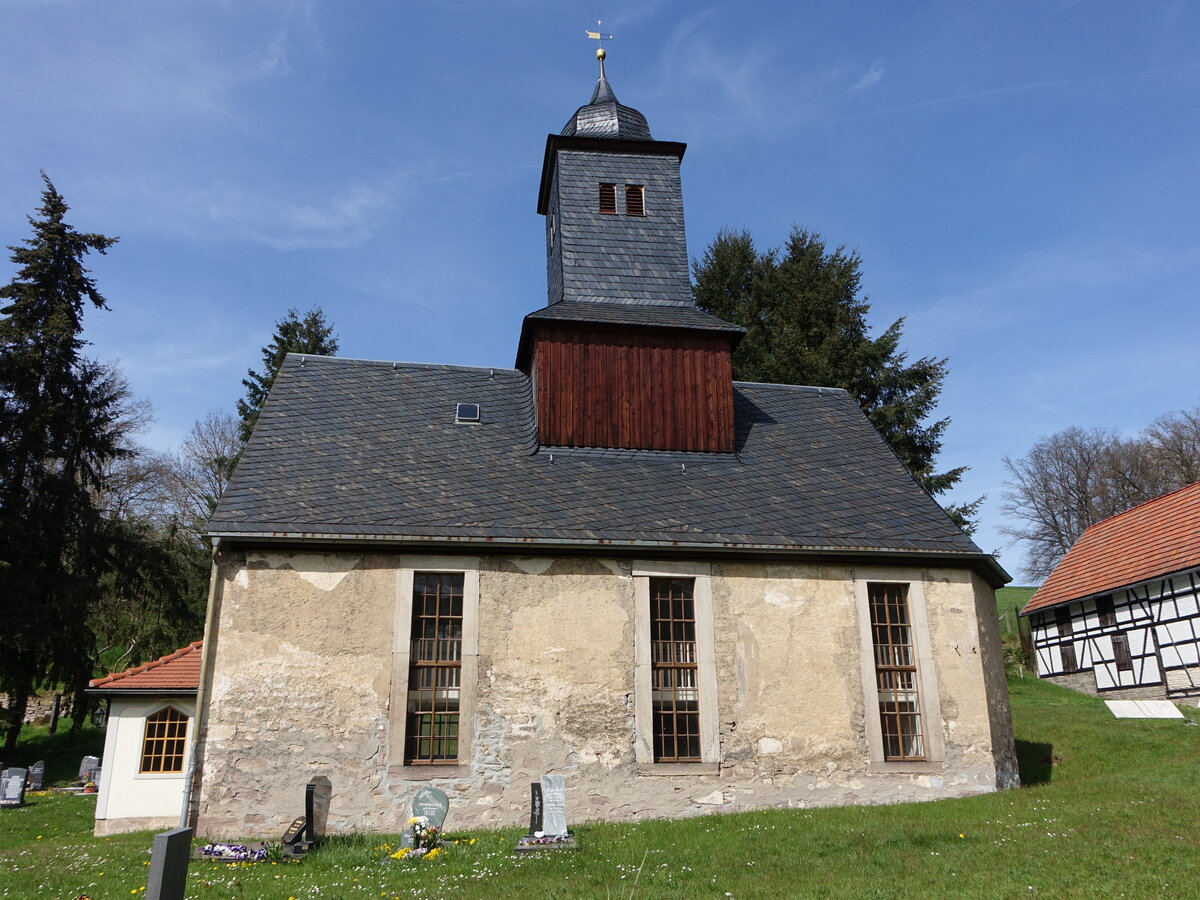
[540, 838]
[426, 840]
[233, 853]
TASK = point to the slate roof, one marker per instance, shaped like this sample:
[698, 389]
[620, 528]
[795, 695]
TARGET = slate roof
[175, 673]
[360, 450]
[1150, 540]
[603, 116]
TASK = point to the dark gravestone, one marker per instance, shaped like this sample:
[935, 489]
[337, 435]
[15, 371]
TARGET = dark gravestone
[535, 807]
[87, 768]
[309, 830]
[12, 787]
[37, 775]
[169, 865]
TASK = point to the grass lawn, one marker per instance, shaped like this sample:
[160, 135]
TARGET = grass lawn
[1110, 810]
[1010, 601]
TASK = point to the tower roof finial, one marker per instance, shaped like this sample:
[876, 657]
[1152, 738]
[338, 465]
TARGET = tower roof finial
[601, 37]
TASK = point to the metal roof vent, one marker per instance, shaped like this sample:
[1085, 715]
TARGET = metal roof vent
[466, 414]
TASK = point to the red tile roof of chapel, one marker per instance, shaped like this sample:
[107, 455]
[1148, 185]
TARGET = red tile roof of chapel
[1155, 538]
[176, 672]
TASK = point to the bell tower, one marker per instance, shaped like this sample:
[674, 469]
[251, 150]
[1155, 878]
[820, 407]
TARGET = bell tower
[620, 356]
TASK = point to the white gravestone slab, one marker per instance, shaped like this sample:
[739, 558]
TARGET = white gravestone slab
[1144, 709]
[554, 804]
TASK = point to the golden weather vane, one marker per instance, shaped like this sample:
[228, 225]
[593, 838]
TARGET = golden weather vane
[601, 37]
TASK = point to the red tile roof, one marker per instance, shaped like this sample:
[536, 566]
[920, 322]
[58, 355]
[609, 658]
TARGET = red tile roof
[1156, 538]
[178, 671]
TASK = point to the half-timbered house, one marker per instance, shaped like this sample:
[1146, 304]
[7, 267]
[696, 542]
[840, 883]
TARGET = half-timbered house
[1120, 615]
[611, 562]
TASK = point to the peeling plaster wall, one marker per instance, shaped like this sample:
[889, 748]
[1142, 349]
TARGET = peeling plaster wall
[302, 677]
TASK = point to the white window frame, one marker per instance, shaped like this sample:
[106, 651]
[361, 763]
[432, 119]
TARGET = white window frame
[706, 669]
[468, 567]
[928, 699]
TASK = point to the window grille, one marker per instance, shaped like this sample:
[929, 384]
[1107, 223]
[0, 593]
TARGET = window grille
[608, 199]
[674, 688]
[635, 200]
[896, 672]
[435, 668]
[164, 742]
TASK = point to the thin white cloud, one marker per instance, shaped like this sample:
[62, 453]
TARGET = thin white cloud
[1033, 86]
[870, 78]
[284, 218]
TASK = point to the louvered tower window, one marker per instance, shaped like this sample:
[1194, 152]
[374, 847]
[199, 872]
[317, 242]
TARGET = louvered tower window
[635, 200]
[608, 199]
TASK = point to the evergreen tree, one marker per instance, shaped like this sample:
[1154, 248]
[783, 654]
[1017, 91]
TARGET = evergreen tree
[806, 323]
[311, 335]
[59, 428]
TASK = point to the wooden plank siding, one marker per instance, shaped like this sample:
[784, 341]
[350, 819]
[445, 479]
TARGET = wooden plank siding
[633, 390]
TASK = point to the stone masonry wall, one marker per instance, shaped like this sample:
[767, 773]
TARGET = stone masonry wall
[302, 672]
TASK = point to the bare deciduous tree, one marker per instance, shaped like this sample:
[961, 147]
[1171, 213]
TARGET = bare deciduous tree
[201, 469]
[1073, 479]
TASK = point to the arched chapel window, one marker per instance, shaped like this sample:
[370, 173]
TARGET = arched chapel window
[164, 742]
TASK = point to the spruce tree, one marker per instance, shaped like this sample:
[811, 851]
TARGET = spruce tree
[59, 428]
[311, 335]
[806, 323]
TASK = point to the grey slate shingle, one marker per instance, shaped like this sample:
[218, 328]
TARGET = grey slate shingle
[353, 447]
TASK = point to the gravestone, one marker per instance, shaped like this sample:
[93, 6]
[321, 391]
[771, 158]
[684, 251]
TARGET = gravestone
[433, 804]
[309, 829]
[535, 807]
[12, 787]
[37, 775]
[169, 865]
[554, 804]
[547, 817]
[87, 768]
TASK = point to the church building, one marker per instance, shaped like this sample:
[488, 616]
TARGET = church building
[610, 562]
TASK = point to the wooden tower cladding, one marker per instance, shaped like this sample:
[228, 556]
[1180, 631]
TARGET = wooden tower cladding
[633, 389]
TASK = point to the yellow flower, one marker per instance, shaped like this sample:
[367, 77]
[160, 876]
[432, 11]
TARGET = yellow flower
[434, 852]
[472, 840]
[962, 835]
[39, 837]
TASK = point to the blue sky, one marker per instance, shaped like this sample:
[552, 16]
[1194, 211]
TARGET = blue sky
[1019, 177]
